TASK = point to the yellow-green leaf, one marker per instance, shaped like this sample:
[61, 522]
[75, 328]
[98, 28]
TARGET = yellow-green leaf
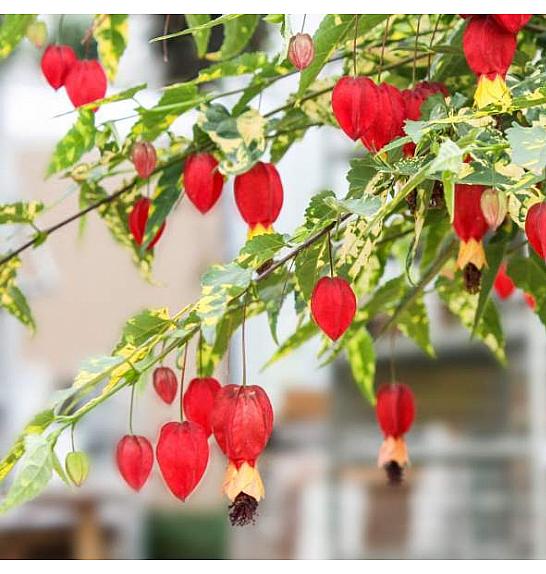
[111, 33]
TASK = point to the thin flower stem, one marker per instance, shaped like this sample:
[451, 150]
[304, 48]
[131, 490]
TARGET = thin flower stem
[200, 350]
[72, 438]
[60, 30]
[131, 407]
[382, 56]
[429, 65]
[303, 23]
[354, 43]
[330, 254]
[414, 71]
[182, 377]
[165, 32]
[391, 360]
[243, 341]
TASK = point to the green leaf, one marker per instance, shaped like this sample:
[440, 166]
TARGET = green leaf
[200, 37]
[200, 28]
[260, 248]
[360, 175]
[20, 212]
[95, 369]
[414, 323]
[530, 276]
[361, 357]
[303, 334]
[272, 292]
[79, 139]
[127, 94]
[12, 30]
[528, 147]
[309, 265]
[237, 34]
[449, 158]
[143, 326]
[15, 303]
[332, 31]
[34, 472]
[363, 206]
[111, 33]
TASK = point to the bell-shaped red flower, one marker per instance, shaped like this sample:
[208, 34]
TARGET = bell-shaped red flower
[355, 103]
[259, 197]
[85, 82]
[301, 50]
[182, 454]
[199, 399]
[395, 412]
[165, 384]
[489, 50]
[512, 22]
[504, 286]
[56, 63]
[333, 306]
[535, 228]
[144, 158]
[135, 458]
[202, 181]
[242, 422]
[530, 300]
[470, 224]
[138, 218]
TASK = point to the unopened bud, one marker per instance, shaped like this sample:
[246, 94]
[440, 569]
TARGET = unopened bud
[494, 207]
[301, 50]
[144, 159]
[77, 467]
[37, 34]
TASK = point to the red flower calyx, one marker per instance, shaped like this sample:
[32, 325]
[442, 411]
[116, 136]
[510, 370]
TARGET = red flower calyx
[333, 306]
[259, 197]
[242, 422]
[56, 63]
[144, 158]
[165, 384]
[504, 286]
[202, 181]
[198, 401]
[395, 412]
[535, 228]
[86, 82]
[135, 458]
[182, 453]
[301, 50]
[138, 219]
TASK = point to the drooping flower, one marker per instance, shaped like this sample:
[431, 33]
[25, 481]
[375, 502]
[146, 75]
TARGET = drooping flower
[530, 300]
[202, 181]
[77, 467]
[535, 228]
[301, 50]
[512, 22]
[199, 399]
[494, 206]
[182, 453]
[56, 63]
[259, 197]
[165, 384]
[395, 412]
[504, 286]
[333, 306]
[144, 159]
[138, 218]
[355, 103]
[86, 82]
[489, 50]
[135, 458]
[242, 422]
[470, 226]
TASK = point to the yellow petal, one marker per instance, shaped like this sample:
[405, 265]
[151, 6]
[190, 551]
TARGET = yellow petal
[393, 449]
[246, 479]
[492, 92]
[258, 230]
[471, 252]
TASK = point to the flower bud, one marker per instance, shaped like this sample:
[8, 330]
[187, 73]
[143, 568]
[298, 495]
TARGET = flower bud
[301, 50]
[77, 467]
[144, 158]
[494, 207]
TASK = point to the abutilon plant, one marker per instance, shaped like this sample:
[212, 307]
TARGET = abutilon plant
[242, 422]
[535, 228]
[333, 306]
[165, 384]
[512, 22]
[494, 204]
[504, 286]
[470, 226]
[57, 60]
[395, 412]
[199, 399]
[202, 181]
[135, 459]
[144, 158]
[85, 82]
[259, 197]
[301, 50]
[138, 219]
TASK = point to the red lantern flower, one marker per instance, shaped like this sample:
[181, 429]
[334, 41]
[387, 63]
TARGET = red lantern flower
[242, 422]
[182, 454]
[504, 286]
[489, 50]
[301, 51]
[165, 384]
[535, 228]
[395, 411]
[138, 218]
[202, 181]
[199, 401]
[470, 224]
[135, 458]
[512, 22]
[259, 197]
[355, 103]
[333, 306]
[85, 82]
[56, 63]
[530, 300]
[144, 159]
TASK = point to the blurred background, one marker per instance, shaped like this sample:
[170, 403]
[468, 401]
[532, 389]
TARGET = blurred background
[477, 485]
